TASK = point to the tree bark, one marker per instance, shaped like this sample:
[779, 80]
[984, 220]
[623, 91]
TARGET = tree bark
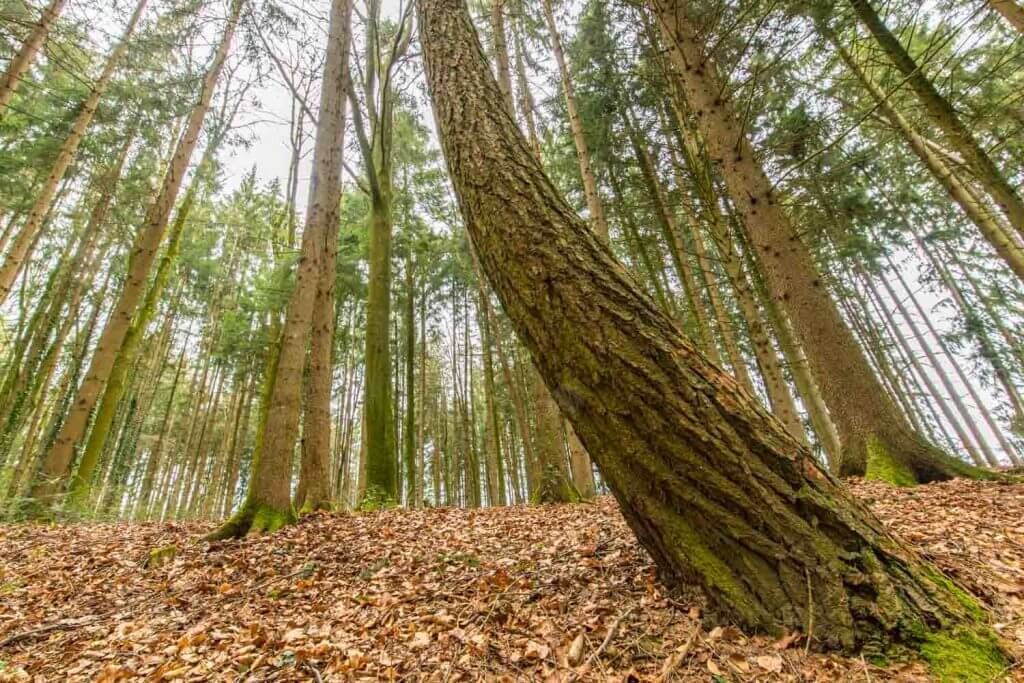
[1011, 11]
[22, 61]
[713, 485]
[875, 437]
[57, 463]
[23, 241]
[268, 504]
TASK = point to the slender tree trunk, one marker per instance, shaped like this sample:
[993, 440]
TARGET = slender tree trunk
[23, 241]
[156, 455]
[714, 487]
[58, 461]
[964, 381]
[116, 384]
[674, 240]
[875, 437]
[421, 438]
[501, 59]
[22, 61]
[986, 222]
[409, 425]
[268, 504]
[945, 118]
[594, 204]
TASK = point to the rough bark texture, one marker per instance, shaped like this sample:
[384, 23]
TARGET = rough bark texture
[268, 503]
[875, 437]
[22, 61]
[325, 199]
[58, 461]
[713, 485]
[945, 117]
[25, 238]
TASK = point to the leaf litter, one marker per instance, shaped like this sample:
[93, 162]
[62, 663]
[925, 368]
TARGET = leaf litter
[548, 594]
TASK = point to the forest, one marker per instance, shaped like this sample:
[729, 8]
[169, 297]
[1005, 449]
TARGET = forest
[511, 340]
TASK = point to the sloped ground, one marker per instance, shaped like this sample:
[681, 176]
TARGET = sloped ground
[517, 594]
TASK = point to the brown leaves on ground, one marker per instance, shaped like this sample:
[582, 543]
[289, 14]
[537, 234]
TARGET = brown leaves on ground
[513, 594]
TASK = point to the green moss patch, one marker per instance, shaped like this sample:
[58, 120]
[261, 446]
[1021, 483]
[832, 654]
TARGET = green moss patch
[963, 655]
[883, 467]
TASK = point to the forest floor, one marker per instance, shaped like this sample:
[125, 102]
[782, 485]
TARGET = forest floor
[557, 593]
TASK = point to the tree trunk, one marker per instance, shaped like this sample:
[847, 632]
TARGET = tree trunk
[22, 61]
[713, 485]
[875, 437]
[987, 223]
[68, 151]
[945, 117]
[156, 454]
[57, 463]
[116, 385]
[409, 425]
[268, 504]
[1011, 11]
[594, 205]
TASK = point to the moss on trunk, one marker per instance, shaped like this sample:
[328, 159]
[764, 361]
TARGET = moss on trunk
[253, 519]
[715, 488]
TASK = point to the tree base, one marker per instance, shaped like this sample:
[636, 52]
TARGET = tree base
[375, 498]
[252, 519]
[964, 654]
[903, 458]
[555, 487]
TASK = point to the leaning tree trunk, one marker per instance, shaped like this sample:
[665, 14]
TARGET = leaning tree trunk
[268, 504]
[26, 236]
[875, 437]
[1011, 11]
[988, 224]
[58, 460]
[713, 485]
[22, 61]
[945, 117]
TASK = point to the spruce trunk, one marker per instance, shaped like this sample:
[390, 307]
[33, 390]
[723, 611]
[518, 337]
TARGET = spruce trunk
[713, 485]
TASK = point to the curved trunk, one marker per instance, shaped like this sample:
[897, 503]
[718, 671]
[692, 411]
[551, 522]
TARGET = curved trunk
[713, 486]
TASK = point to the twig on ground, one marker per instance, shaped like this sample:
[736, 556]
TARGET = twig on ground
[676, 659]
[59, 626]
[612, 632]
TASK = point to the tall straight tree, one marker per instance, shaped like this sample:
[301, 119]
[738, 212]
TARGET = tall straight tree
[22, 61]
[713, 486]
[57, 464]
[375, 135]
[26, 235]
[315, 477]
[875, 436]
[268, 504]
